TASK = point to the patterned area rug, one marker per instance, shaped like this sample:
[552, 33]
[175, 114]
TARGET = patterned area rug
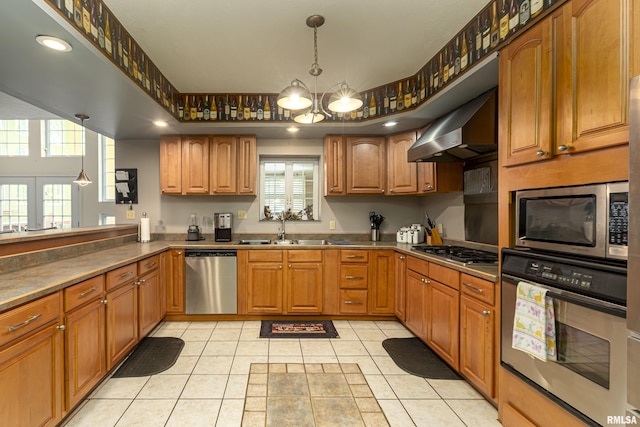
[298, 329]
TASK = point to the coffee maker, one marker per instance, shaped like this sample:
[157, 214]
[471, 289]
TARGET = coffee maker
[194, 232]
[222, 227]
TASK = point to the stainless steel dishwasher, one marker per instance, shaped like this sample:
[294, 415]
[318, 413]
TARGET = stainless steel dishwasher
[211, 276]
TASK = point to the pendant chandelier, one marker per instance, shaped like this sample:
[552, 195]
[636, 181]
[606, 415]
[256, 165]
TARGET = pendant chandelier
[82, 180]
[298, 97]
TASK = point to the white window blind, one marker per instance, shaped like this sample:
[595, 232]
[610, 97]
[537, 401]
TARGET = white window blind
[290, 186]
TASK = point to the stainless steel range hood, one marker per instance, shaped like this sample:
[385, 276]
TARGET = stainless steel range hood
[464, 133]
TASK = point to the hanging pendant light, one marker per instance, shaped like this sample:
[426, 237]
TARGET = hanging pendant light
[297, 96]
[82, 180]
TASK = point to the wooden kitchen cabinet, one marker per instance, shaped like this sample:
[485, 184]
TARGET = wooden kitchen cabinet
[85, 338]
[417, 296]
[381, 285]
[265, 282]
[195, 165]
[354, 281]
[335, 165]
[304, 282]
[31, 364]
[122, 321]
[402, 176]
[443, 321]
[366, 165]
[440, 177]
[171, 165]
[247, 165]
[224, 173]
[150, 289]
[400, 283]
[175, 282]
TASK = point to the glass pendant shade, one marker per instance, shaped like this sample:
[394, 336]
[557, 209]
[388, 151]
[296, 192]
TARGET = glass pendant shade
[344, 100]
[309, 117]
[82, 180]
[295, 97]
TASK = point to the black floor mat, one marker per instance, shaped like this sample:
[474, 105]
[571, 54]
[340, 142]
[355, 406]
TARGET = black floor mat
[151, 356]
[298, 329]
[413, 356]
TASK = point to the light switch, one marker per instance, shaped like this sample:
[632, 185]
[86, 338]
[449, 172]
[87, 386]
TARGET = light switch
[242, 214]
[131, 214]
[332, 225]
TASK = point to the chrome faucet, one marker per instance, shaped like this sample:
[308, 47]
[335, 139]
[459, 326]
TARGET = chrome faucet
[281, 233]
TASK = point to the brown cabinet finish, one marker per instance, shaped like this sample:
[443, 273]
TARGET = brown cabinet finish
[477, 349]
[171, 165]
[247, 165]
[195, 165]
[443, 321]
[175, 282]
[417, 301]
[223, 160]
[335, 165]
[381, 286]
[304, 287]
[402, 176]
[400, 286]
[122, 322]
[21, 321]
[264, 287]
[150, 290]
[366, 165]
[439, 177]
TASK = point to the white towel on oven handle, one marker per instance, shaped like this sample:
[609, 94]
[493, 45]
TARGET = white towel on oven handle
[534, 329]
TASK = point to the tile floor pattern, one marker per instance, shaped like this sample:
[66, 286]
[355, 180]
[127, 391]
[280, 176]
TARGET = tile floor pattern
[218, 381]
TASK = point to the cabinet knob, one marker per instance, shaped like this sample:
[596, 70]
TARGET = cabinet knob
[564, 147]
[402, 257]
[289, 266]
[61, 327]
[179, 253]
[280, 267]
[486, 312]
[331, 189]
[391, 190]
[205, 190]
[541, 153]
[383, 190]
[163, 190]
[429, 187]
[251, 190]
[104, 301]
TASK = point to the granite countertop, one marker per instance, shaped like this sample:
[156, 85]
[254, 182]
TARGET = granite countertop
[28, 284]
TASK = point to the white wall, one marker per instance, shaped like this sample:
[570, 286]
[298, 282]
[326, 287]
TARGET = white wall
[170, 214]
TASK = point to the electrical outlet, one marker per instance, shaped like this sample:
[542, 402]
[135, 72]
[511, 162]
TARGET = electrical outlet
[332, 225]
[242, 214]
[131, 214]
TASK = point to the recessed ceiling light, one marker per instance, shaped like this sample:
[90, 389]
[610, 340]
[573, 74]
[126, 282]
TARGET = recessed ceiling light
[292, 129]
[160, 123]
[54, 43]
[390, 124]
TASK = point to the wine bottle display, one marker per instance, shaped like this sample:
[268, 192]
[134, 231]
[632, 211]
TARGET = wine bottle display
[486, 34]
[536, 7]
[525, 12]
[504, 20]
[514, 16]
[495, 28]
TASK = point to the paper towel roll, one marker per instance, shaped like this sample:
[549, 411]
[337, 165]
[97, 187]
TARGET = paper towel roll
[145, 230]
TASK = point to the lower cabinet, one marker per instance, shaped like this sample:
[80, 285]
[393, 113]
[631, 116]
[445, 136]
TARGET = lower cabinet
[381, 286]
[175, 282]
[477, 324]
[417, 301]
[304, 282]
[442, 322]
[400, 286]
[150, 291]
[31, 364]
[122, 322]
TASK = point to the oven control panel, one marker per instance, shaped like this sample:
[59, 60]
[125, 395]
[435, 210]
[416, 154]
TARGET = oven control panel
[555, 273]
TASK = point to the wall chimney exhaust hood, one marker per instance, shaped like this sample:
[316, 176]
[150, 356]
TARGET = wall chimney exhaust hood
[464, 133]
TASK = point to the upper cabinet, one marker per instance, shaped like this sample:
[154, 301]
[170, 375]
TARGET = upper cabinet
[378, 165]
[208, 165]
[564, 83]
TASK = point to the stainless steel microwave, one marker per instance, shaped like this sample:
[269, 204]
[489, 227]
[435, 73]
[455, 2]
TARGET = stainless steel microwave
[589, 220]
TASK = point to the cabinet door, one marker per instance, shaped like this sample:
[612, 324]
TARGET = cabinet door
[427, 177]
[195, 165]
[122, 323]
[85, 350]
[443, 322]
[149, 302]
[304, 287]
[400, 286]
[381, 286]
[417, 304]
[171, 165]
[163, 257]
[247, 165]
[597, 113]
[476, 344]
[335, 165]
[175, 281]
[264, 287]
[366, 165]
[402, 176]
[525, 96]
[31, 380]
[223, 165]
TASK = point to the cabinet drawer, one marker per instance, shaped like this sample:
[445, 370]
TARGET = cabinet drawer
[353, 301]
[445, 275]
[19, 321]
[121, 275]
[265, 255]
[418, 265]
[478, 288]
[148, 264]
[78, 294]
[354, 276]
[304, 255]
[354, 255]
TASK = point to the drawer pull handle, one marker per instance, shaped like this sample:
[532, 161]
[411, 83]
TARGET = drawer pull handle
[427, 281]
[85, 293]
[150, 264]
[474, 289]
[127, 274]
[354, 277]
[25, 323]
[355, 256]
[353, 302]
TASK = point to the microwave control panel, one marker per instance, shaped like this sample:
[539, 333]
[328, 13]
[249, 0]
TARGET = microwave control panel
[618, 218]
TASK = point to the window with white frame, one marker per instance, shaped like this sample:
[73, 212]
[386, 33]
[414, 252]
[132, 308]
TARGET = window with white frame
[14, 137]
[62, 138]
[290, 187]
[107, 169]
[14, 205]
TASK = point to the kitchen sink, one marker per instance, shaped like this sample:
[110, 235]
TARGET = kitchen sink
[254, 242]
[284, 242]
[301, 242]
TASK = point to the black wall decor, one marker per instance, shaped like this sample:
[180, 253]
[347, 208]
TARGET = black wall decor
[126, 186]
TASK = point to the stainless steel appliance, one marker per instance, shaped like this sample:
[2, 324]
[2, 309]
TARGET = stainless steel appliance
[633, 281]
[589, 220]
[589, 377]
[211, 281]
[459, 254]
[194, 232]
[222, 227]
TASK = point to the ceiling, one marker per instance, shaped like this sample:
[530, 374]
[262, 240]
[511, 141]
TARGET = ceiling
[244, 46]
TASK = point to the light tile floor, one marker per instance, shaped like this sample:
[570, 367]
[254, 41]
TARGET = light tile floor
[209, 384]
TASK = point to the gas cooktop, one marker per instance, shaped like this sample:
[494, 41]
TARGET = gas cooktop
[459, 254]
